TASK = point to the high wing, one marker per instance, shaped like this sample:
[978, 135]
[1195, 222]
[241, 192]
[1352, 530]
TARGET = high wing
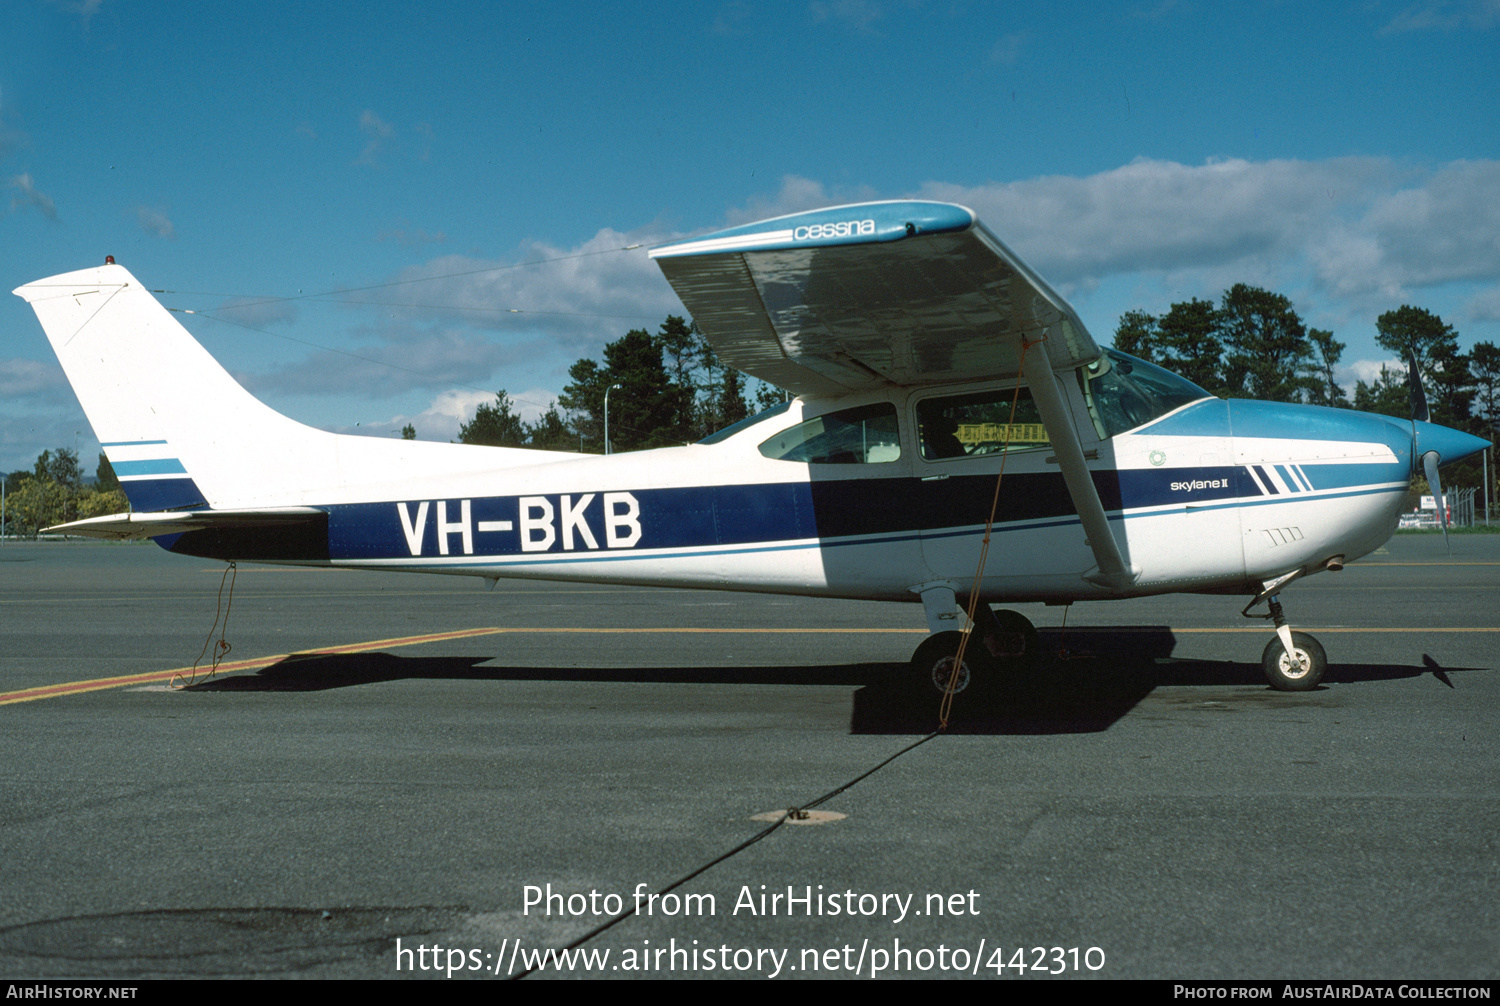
[856, 298]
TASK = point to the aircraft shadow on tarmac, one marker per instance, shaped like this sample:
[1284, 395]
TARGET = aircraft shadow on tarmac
[1089, 678]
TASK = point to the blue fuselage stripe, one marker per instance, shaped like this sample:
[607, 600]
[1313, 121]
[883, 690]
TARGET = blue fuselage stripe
[552, 559]
[736, 519]
[762, 517]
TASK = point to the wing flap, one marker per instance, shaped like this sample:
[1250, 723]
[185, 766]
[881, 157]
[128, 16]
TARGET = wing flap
[723, 299]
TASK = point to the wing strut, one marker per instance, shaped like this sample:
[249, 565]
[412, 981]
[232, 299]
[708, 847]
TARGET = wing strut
[1113, 572]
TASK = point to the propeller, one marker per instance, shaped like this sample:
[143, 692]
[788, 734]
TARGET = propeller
[1419, 411]
[1430, 459]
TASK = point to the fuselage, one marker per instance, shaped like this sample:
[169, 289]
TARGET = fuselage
[1210, 495]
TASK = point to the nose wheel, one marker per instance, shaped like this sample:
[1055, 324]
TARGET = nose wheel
[1295, 669]
[1292, 661]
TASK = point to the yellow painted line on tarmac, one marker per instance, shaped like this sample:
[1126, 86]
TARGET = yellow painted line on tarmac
[136, 598]
[255, 663]
[707, 630]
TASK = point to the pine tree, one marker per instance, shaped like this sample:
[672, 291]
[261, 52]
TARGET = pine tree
[494, 425]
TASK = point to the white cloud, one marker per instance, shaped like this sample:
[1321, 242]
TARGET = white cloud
[24, 435]
[1345, 238]
[10, 140]
[795, 195]
[1007, 49]
[449, 411]
[860, 15]
[256, 312]
[154, 220]
[1365, 370]
[442, 419]
[1486, 305]
[473, 324]
[377, 132]
[1364, 225]
[1155, 12]
[407, 358]
[730, 18]
[1152, 215]
[1445, 15]
[410, 237]
[1444, 229]
[85, 9]
[31, 196]
[21, 377]
[579, 296]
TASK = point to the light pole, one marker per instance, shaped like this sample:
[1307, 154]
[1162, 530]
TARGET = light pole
[607, 390]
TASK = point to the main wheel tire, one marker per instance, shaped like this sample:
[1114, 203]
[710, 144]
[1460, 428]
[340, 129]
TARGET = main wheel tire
[1018, 646]
[933, 664]
[1300, 677]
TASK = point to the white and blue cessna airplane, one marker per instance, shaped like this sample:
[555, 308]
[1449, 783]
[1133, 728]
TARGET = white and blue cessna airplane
[905, 330]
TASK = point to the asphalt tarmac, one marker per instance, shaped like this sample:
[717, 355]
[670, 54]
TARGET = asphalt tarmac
[1147, 808]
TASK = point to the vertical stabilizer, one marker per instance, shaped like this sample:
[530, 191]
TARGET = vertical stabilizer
[180, 432]
[167, 414]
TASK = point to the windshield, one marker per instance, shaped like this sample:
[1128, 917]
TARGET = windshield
[1124, 392]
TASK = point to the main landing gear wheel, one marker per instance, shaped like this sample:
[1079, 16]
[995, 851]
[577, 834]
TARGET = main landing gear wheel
[933, 664]
[1302, 676]
[1003, 647]
[1012, 642]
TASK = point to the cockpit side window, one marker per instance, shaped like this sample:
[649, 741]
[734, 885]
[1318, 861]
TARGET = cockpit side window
[963, 426]
[866, 434]
[1123, 392]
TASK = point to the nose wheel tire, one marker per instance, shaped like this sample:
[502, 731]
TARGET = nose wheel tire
[1301, 676]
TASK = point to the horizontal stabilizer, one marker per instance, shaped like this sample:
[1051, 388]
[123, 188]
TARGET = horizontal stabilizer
[123, 526]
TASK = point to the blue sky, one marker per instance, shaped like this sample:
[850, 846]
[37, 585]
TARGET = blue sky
[1135, 154]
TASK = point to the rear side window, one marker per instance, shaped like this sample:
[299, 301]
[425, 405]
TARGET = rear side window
[866, 434]
[964, 426]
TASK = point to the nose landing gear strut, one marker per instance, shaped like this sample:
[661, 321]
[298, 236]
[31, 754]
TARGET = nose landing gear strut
[1292, 661]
